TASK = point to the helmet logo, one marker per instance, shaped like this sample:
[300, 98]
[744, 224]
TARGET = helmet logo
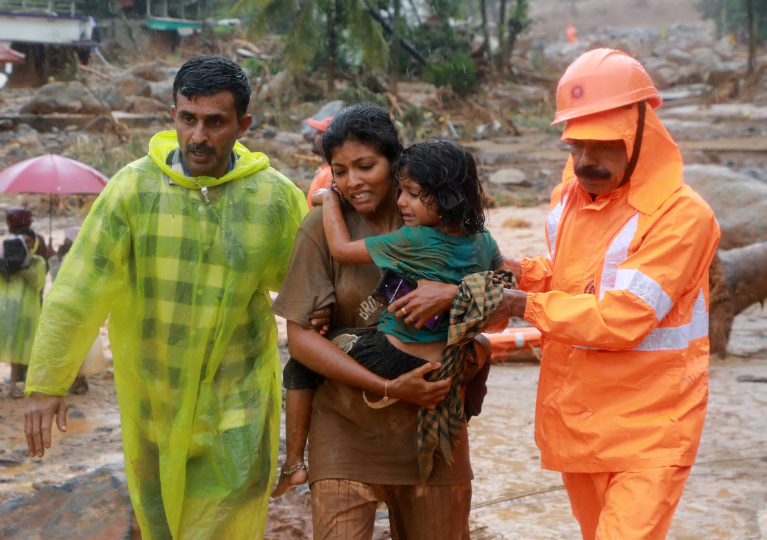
[576, 92]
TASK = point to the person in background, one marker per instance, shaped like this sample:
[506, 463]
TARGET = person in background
[19, 217]
[57, 259]
[20, 311]
[324, 177]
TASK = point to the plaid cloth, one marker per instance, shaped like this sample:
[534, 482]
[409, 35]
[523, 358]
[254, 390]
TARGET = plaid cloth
[20, 311]
[478, 296]
[194, 343]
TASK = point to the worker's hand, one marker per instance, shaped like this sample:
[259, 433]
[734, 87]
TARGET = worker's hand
[320, 319]
[38, 419]
[319, 196]
[413, 388]
[515, 266]
[426, 302]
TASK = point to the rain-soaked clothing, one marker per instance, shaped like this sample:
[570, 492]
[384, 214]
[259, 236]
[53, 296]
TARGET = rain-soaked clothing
[195, 346]
[622, 303]
[605, 504]
[20, 311]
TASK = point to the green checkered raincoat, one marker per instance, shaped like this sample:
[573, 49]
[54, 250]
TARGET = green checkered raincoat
[195, 346]
[20, 311]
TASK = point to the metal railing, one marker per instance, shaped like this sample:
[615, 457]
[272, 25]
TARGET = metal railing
[57, 7]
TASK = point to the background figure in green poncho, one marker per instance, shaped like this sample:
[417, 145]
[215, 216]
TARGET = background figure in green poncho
[182, 249]
[20, 311]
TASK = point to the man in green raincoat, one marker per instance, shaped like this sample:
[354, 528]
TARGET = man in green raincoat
[182, 249]
[20, 310]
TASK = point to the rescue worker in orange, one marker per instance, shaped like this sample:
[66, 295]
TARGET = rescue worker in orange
[622, 301]
[324, 177]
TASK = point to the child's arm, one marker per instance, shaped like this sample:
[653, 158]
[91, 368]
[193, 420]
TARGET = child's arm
[343, 249]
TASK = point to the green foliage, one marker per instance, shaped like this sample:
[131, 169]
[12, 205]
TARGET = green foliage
[731, 16]
[459, 72]
[306, 38]
[352, 94]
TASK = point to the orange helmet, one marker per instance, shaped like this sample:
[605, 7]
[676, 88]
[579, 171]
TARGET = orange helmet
[601, 80]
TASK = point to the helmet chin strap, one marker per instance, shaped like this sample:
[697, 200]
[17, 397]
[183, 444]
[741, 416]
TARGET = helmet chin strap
[637, 143]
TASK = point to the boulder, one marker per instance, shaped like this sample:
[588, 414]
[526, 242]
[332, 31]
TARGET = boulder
[94, 505]
[145, 105]
[522, 95]
[151, 71]
[130, 85]
[109, 96]
[65, 98]
[662, 72]
[510, 177]
[162, 91]
[680, 57]
[739, 202]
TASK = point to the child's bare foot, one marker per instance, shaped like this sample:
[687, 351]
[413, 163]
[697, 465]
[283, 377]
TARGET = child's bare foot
[291, 476]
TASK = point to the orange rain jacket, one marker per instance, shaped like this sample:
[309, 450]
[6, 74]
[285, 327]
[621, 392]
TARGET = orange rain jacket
[622, 303]
[322, 180]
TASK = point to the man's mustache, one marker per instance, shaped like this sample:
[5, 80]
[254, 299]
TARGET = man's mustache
[592, 173]
[204, 148]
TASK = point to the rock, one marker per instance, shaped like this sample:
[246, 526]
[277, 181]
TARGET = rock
[76, 415]
[705, 56]
[759, 174]
[495, 158]
[130, 85]
[276, 86]
[109, 95]
[94, 505]
[522, 95]
[326, 111]
[510, 177]
[162, 91]
[680, 57]
[152, 71]
[739, 202]
[662, 72]
[66, 98]
[722, 72]
[145, 105]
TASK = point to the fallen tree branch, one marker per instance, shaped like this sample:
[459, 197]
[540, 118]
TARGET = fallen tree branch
[508, 498]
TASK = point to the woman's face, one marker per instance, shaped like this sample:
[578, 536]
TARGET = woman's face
[363, 176]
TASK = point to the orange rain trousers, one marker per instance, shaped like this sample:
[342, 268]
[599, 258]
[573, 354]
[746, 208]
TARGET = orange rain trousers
[636, 505]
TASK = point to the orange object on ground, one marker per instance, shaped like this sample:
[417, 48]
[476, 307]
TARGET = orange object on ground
[572, 37]
[601, 80]
[622, 302]
[322, 180]
[320, 125]
[637, 505]
[507, 345]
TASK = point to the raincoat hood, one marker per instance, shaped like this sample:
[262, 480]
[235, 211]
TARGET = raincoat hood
[658, 171]
[162, 144]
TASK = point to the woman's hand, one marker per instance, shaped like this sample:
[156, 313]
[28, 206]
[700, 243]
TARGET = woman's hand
[319, 196]
[426, 302]
[413, 388]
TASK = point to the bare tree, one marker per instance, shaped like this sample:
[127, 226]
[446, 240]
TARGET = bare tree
[751, 8]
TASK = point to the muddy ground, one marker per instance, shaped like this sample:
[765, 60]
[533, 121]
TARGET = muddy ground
[726, 496]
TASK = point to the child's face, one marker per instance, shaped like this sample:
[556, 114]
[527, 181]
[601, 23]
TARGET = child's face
[30, 241]
[414, 211]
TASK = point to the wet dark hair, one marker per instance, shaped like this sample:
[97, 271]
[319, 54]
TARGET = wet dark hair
[447, 175]
[208, 75]
[364, 123]
[26, 231]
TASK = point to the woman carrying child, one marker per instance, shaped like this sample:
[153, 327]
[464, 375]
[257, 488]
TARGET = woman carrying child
[360, 455]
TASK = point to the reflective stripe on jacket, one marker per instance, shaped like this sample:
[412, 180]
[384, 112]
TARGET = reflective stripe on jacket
[622, 302]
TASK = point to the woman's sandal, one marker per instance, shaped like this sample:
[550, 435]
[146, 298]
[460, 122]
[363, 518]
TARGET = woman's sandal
[16, 393]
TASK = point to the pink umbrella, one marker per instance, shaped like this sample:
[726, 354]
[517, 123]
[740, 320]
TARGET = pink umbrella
[52, 174]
